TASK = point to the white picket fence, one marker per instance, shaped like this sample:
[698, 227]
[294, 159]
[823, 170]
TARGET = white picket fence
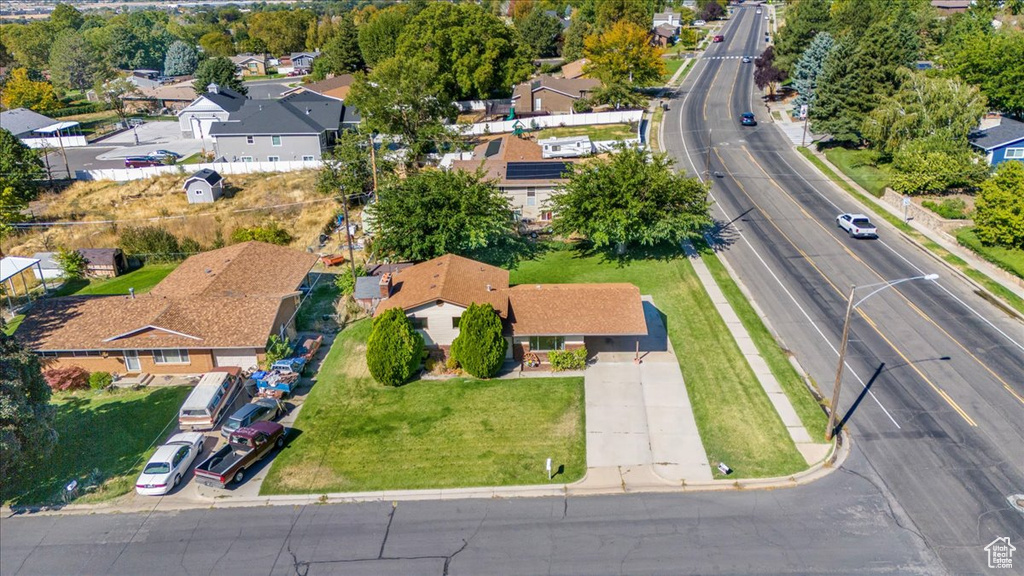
[224, 168]
[554, 121]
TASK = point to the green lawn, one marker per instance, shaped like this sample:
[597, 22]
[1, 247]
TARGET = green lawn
[1009, 259]
[671, 65]
[597, 133]
[737, 423]
[862, 167]
[804, 402]
[196, 158]
[13, 324]
[319, 303]
[109, 432]
[1014, 301]
[142, 279]
[356, 435]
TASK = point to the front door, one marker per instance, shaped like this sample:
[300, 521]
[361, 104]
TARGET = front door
[131, 361]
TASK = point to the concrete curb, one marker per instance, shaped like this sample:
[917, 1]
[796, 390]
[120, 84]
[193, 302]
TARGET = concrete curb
[836, 457]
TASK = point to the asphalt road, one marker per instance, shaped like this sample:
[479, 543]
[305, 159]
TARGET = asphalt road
[935, 372]
[840, 525]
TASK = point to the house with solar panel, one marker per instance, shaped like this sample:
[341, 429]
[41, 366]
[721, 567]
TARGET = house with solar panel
[517, 165]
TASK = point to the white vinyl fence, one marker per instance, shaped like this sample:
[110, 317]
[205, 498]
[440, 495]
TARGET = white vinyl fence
[554, 121]
[224, 168]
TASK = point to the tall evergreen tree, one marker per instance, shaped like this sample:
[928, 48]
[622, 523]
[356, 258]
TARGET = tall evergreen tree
[341, 53]
[26, 416]
[72, 62]
[803, 21]
[809, 67]
[540, 33]
[181, 59]
[841, 98]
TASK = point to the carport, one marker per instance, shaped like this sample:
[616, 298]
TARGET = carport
[12, 266]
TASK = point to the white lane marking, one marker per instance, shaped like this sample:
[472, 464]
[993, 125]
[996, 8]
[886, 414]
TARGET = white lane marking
[686, 150]
[912, 265]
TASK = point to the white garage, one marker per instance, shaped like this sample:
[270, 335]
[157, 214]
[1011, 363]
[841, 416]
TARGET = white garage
[244, 358]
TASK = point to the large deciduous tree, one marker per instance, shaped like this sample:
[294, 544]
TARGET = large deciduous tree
[378, 37]
[217, 44]
[477, 55]
[394, 350]
[540, 33]
[281, 31]
[72, 62]
[401, 98]
[182, 59]
[341, 53]
[19, 91]
[624, 55]
[924, 106]
[66, 17]
[432, 213]
[29, 43]
[993, 62]
[935, 164]
[219, 71]
[347, 169]
[20, 167]
[26, 415]
[113, 94]
[632, 198]
[607, 13]
[767, 76]
[480, 348]
[999, 207]
[809, 67]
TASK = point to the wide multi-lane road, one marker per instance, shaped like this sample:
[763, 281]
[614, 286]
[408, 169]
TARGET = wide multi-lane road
[935, 372]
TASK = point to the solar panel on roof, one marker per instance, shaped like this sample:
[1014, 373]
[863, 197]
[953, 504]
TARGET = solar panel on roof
[535, 170]
[492, 148]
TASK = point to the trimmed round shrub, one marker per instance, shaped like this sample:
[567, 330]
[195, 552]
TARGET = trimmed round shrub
[100, 380]
[394, 350]
[480, 348]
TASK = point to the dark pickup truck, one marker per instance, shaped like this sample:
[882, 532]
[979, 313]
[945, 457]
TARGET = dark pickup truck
[245, 447]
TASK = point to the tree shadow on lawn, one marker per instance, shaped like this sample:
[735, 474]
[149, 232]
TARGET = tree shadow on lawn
[663, 252]
[109, 438]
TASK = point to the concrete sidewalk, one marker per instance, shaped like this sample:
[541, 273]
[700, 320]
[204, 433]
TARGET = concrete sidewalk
[812, 451]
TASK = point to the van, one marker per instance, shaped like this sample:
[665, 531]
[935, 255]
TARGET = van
[211, 397]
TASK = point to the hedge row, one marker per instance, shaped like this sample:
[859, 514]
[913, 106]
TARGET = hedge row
[79, 109]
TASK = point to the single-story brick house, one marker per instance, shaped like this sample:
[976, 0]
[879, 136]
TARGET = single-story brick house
[217, 309]
[537, 318]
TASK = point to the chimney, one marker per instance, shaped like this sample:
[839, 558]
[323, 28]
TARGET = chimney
[488, 287]
[385, 286]
[213, 88]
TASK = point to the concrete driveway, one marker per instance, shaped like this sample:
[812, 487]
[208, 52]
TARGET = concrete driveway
[638, 414]
[151, 136]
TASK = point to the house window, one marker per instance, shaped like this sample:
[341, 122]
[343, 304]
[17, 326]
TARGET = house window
[546, 343]
[273, 158]
[556, 148]
[545, 215]
[199, 191]
[275, 140]
[1014, 153]
[536, 104]
[455, 322]
[307, 158]
[418, 323]
[170, 357]
[531, 196]
[250, 139]
[246, 158]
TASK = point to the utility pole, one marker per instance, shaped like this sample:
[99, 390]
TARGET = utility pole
[803, 141]
[830, 431]
[348, 236]
[373, 165]
[60, 139]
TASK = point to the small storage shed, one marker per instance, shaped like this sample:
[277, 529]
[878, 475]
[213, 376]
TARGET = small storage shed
[204, 186]
[104, 262]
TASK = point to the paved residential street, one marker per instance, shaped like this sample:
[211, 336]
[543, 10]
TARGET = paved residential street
[842, 524]
[933, 380]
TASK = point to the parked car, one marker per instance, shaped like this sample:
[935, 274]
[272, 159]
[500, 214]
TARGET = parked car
[857, 225]
[298, 72]
[142, 162]
[161, 154]
[747, 119]
[245, 447]
[169, 464]
[718, 38]
[260, 410]
[699, 23]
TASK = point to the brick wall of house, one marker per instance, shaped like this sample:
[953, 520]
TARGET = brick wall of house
[199, 361]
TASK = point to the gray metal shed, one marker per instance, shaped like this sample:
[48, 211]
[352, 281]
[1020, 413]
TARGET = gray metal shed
[204, 186]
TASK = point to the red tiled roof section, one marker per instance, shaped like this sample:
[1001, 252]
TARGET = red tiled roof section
[246, 269]
[452, 279]
[578, 309]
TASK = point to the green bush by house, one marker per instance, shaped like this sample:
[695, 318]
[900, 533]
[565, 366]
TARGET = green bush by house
[394, 350]
[480, 348]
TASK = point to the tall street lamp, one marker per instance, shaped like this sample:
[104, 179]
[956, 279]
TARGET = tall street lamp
[850, 305]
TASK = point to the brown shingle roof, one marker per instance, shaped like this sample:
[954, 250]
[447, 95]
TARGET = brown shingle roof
[574, 69]
[584, 309]
[513, 149]
[226, 298]
[450, 278]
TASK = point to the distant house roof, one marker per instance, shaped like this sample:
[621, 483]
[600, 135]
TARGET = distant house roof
[299, 113]
[585, 309]
[336, 87]
[451, 279]
[665, 30]
[1006, 132]
[241, 59]
[572, 87]
[225, 98]
[211, 177]
[226, 298]
[951, 6]
[180, 91]
[510, 160]
[47, 260]
[22, 122]
[574, 69]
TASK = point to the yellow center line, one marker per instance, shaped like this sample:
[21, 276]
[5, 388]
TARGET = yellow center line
[842, 295]
[1015, 395]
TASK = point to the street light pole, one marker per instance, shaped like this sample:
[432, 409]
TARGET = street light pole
[850, 306]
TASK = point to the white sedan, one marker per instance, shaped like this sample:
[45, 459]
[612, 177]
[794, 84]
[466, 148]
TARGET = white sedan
[169, 463]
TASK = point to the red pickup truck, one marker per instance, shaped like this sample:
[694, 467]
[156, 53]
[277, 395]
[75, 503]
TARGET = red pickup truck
[245, 447]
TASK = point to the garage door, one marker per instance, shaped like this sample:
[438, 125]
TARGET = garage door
[244, 358]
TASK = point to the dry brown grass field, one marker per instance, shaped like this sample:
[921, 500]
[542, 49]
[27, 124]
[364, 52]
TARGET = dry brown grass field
[289, 199]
